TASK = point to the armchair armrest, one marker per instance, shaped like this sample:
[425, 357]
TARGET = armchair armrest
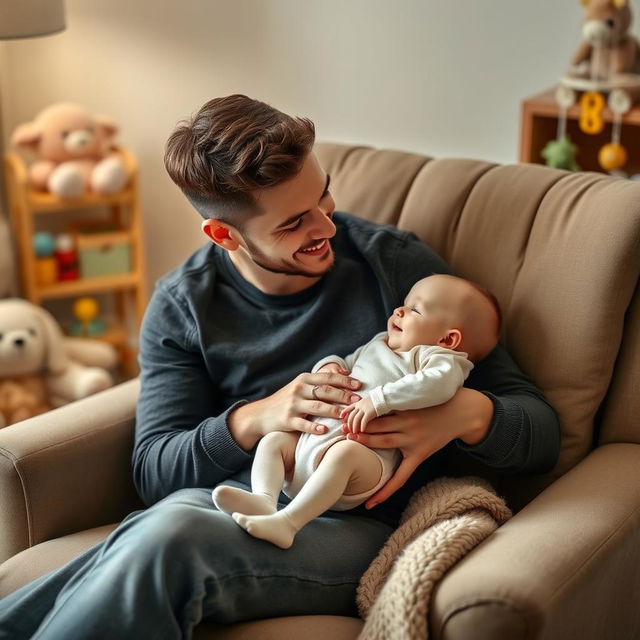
[566, 566]
[67, 470]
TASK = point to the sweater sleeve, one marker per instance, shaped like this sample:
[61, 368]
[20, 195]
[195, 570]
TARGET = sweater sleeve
[347, 362]
[328, 360]
[524, 436]
[439, 377]
[182, 438]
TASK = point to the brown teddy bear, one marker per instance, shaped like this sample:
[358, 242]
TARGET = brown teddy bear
[607, 47]
[22, 398]
[74, 150]
[40, 368]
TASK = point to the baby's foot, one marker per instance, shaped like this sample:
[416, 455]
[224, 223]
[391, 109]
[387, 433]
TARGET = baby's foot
[276, 528]
[231, 499]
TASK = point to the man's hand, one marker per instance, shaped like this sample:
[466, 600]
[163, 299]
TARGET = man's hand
[358, 415]
[318, 394]
[419, 433]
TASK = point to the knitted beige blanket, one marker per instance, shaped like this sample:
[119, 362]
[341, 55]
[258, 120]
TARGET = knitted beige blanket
[442, 522]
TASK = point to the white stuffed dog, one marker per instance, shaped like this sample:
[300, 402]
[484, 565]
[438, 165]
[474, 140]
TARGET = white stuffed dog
[74, 153]
[32, 344]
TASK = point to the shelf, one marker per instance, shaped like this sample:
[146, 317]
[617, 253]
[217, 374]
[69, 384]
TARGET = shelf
[85, 286]
[120, 224]
[49, 203]
[115, 335]
[539, 125]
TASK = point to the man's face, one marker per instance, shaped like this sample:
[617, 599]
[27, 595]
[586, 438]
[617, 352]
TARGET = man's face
[292, 236]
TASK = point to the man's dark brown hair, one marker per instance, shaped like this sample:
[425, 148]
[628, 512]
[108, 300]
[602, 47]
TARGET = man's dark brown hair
[232, 146]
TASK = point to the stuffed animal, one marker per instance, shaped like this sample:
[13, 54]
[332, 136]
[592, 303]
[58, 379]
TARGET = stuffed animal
[607, 46]
[74, 150]
[40, 368]
[22, 398]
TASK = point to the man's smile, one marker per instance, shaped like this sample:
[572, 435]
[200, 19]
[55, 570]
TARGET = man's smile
[316, 249]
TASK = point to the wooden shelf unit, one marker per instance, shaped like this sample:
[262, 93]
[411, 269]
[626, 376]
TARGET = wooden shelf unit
[121, 211]
[539, 125]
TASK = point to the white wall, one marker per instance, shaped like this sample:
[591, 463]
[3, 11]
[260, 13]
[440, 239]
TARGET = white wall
[440, 77]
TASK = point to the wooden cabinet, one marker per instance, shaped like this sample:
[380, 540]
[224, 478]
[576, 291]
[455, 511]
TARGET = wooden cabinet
[120, 213]
[539, 125]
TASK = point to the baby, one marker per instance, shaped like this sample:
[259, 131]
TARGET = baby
[423, 358]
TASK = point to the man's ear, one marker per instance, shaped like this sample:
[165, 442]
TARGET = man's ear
[219, 233]
[451, 340]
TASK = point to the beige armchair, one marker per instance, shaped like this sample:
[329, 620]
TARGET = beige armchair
[562, 253]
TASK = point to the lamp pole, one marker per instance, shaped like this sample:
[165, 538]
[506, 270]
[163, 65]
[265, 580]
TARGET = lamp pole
[21, 19]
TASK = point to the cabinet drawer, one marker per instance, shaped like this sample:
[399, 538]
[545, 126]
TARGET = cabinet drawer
[103, 254]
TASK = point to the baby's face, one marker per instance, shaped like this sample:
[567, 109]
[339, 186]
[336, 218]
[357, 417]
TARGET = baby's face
[429, 312]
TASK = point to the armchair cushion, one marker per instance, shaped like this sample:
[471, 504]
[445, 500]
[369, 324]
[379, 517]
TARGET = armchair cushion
[68, 470]
[566, 566]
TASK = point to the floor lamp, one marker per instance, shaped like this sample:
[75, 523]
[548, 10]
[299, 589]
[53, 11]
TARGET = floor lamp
[21, 19]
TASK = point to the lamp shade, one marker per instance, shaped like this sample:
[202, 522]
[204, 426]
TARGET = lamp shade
[30, 18]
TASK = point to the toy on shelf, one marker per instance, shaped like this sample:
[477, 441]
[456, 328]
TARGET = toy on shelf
[39, 368]
[44, 248]
[74, 152]
[609, 56]
[88, 323]
[67, 257]
[561, 153]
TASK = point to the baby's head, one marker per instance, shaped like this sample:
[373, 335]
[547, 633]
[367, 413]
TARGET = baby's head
[447, 311]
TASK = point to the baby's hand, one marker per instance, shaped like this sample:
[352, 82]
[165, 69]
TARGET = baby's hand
[358, 415]
[333, 367]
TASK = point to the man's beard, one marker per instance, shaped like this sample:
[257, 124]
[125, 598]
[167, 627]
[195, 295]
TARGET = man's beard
[283, 267]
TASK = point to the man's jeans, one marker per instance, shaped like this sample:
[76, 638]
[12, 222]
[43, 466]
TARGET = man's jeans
[181, 561]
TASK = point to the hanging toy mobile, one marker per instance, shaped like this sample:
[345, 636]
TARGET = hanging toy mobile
[613, 156]
[561, 152]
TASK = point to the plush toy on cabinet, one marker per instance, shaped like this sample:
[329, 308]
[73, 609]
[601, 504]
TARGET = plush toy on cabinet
[74, 151]
[607, 48]
[40, 368]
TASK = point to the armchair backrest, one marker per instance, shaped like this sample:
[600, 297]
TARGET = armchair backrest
[560, 250]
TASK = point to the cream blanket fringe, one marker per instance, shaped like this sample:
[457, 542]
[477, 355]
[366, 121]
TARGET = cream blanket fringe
[442, 522]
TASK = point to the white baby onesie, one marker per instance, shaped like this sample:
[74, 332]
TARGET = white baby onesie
[421, 377]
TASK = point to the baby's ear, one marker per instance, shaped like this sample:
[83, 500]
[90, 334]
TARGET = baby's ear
[452, 339]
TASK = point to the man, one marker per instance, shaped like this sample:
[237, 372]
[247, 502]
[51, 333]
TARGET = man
[226, 346]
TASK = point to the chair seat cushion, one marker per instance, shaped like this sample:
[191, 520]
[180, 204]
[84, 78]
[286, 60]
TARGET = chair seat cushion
[47, 556]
